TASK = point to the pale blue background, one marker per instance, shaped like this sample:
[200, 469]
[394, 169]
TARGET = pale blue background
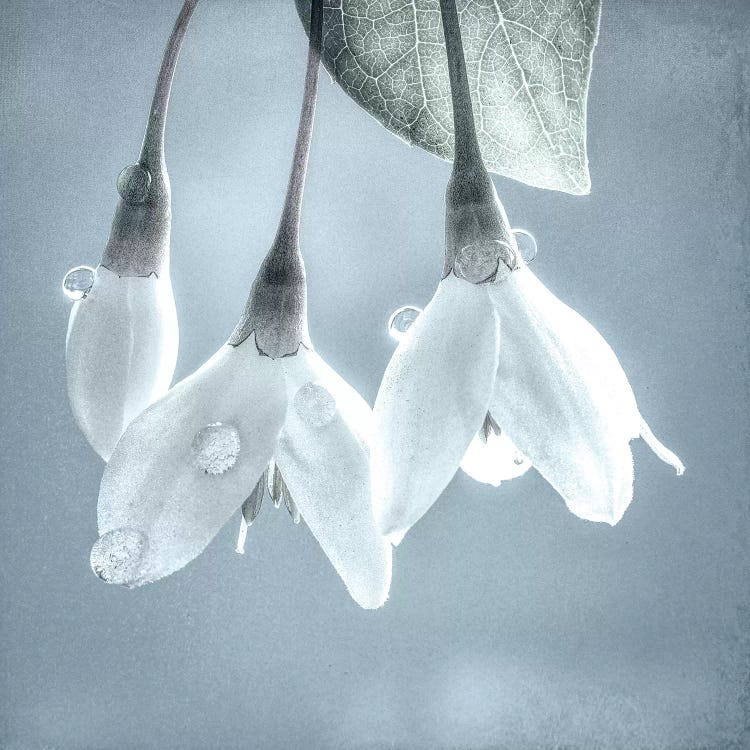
[511, 623]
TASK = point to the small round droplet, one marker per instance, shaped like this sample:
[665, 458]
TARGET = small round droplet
[116, 556]
[526, 244]
[479, 261]
[133, 184]
[401, 320]
[78, 282]
[216, 447]
[315, 404]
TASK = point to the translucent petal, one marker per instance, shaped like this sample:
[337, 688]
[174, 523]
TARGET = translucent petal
[323, 457]
[495, 460]
[120, 351]
[432, 400]
[178, 486]
[564, 400]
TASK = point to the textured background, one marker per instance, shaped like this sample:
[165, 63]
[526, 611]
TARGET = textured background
[511, 623]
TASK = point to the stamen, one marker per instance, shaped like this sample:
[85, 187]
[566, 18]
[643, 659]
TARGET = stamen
[660, 449]
[250, 510]
[291, 506]
[275, 485]
[488, 426]
[242, 536]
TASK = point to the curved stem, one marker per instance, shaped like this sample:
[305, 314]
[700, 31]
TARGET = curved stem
[152, 151]
[287, 234]
[466, 147]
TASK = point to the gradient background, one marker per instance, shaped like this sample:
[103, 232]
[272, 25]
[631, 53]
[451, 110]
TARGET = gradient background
[511, 623]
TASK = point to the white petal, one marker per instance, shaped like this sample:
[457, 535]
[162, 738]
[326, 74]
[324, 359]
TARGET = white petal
[494, 461]
[432, 400]
[563, 398]
[176, 482]
[323, 456]
[120, 351]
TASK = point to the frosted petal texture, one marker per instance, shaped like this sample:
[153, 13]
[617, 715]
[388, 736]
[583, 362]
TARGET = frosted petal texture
[495, 460]
[563, 398]
[432, 400]
[153, 484]
[121, 351]
[325, 464]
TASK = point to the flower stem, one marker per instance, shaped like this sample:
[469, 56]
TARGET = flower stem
[152, 150]
[466, 146]
[287, 234]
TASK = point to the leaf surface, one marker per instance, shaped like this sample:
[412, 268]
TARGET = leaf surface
[528, 62]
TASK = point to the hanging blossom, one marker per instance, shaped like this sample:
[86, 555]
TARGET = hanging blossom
[264, 409]
[497, 373]
[121, 346]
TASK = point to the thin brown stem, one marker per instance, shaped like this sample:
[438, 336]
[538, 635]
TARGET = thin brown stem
[466, 147]
[288, 231]
[152, 151]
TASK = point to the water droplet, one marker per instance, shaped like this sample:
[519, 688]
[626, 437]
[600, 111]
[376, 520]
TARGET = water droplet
[315, 404]
[526, 244]
[116, 556]
[133, 184]
[78, 282]
[401, 320]
[216, 447]
[479, 261]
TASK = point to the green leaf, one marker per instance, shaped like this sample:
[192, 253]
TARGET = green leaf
[529, 63]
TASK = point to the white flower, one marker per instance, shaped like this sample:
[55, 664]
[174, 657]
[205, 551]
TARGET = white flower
[495, 341]
[122, 341]
[185, 465]
[189, 461]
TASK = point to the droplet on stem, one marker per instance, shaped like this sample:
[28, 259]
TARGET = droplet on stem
[116, 556]
[479, 262]
[401, 321]
[133, 184]
[216, 447]
[526, 244]
[78, 282]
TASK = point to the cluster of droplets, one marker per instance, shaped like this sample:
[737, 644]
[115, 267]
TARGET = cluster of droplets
[484, 262]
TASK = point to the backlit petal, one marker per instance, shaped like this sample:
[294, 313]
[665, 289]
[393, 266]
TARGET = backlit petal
[121, 351]
[564, 400]
[185, 465]
[432, 400]
[323, 456]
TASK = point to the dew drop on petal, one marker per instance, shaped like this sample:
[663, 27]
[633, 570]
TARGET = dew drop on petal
[133, 184]
[78, 282]
[526, 244]
[315, 404]
[400, 321]
[116, 556]
[216, 447]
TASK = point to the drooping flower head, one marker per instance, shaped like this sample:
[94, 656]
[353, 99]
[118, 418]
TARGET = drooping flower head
[121, 346]
[265, 415]
[497, 354]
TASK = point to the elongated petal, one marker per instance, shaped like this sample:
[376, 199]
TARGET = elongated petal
[495, 460]
[323, 456]
[121, 351]
[563, 398]
[432, 400]
[185, 465]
